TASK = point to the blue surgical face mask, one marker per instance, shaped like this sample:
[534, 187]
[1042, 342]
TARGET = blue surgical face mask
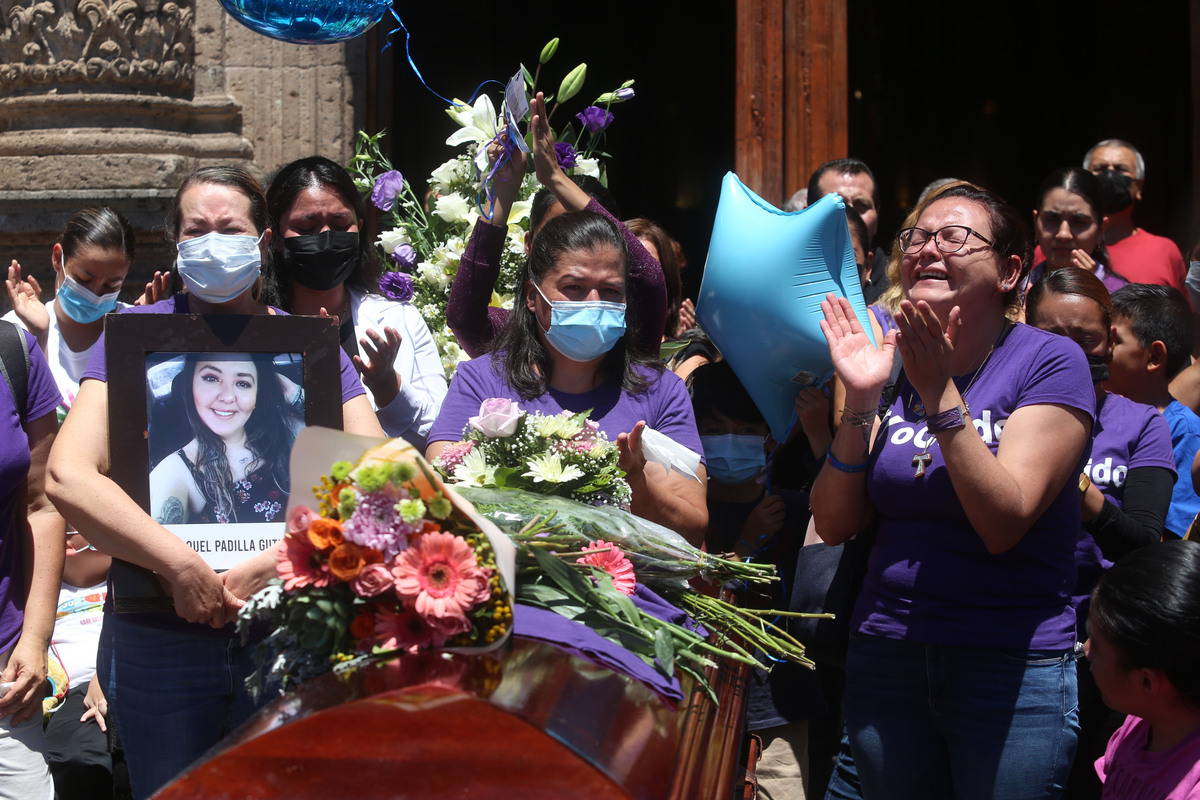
[584, 329]
[81, 303]
[217, 267]
[732, 458]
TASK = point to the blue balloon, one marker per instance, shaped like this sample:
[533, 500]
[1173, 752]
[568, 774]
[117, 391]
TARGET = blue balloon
[308, 21]
[760, 299]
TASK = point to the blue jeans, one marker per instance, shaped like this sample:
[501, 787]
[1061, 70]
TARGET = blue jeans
[173, 694]
[968, 723]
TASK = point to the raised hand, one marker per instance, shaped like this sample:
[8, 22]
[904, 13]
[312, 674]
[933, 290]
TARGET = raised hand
[862, 367]
[687, 317]
[1081, 259]
[927, 349]
[25, 295]
[156, 289]
[507, 180]
[376, 369]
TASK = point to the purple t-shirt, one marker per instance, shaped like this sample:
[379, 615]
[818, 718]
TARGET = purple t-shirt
[930, 579]
[664, 405]
[97, 368]
[42, 398]
[1127, 435]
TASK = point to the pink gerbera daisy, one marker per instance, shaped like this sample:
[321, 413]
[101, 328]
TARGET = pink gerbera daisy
[299, 563]
[614, 562]
[402, 630]
[438, 577]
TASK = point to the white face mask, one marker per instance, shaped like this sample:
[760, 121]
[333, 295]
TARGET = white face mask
[217, 267]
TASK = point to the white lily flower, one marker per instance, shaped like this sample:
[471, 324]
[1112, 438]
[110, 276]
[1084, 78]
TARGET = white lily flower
[479, 122]
[433, 274]
[519, 211]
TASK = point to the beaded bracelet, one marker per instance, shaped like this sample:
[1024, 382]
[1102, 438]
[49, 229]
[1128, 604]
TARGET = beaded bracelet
[857, 419]
[840, 467]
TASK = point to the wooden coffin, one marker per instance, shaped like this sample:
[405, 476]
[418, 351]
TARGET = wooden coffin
[527, 722]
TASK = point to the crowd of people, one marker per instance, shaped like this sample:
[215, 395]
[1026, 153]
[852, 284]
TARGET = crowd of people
[1008, 467]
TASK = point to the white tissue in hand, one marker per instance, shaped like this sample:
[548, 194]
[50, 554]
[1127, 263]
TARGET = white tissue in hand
[662, 449]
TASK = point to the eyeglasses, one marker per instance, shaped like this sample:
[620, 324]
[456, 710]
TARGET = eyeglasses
[949, 239]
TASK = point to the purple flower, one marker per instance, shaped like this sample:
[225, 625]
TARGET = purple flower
[405, 255]
[387, 187]
[396, 285]
[595, 119]
[565, 155]
[623, 94]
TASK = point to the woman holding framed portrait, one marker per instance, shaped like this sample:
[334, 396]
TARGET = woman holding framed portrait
[176, 680]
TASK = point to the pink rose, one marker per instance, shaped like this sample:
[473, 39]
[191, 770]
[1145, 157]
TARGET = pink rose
[372, 580]
[498, 418]
[300, 518]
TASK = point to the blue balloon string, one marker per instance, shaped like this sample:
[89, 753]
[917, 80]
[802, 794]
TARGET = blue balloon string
[408, 52]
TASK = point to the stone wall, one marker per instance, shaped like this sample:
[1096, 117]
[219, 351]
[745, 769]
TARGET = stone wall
[114, 102]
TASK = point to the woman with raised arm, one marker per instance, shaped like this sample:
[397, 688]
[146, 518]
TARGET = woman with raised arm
[564, 349]
[960, 677]
[90, 261]
[474, 322]
[177, 679]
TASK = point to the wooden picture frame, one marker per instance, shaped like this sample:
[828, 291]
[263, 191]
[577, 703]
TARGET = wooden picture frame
[137, 346]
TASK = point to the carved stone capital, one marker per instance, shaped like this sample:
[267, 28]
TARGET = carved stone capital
[143, 46]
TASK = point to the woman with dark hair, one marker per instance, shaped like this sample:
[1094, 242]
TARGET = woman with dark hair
[1125, 487]
[322, 263]
[565, 348]
[177, 679]
[1068, 226]
[1145, 655]
[235, 467]
[468, 313]
[90, 263]
[960, 678]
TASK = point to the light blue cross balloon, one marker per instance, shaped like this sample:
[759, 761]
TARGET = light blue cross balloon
[760, 299]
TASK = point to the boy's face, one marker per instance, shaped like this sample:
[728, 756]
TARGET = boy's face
[717, 424]
[1127, 370]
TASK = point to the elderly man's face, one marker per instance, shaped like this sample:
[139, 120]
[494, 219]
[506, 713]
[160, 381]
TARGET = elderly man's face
[1119, 159]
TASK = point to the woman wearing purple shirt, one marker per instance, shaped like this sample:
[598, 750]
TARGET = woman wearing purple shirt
[1125, 487]
[176, 680]
[565, 348]
[960, 678]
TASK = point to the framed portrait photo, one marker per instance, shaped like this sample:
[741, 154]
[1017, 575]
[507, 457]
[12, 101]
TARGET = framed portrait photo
[202, 413]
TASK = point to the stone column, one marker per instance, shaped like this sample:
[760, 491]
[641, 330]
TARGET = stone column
[114, 102]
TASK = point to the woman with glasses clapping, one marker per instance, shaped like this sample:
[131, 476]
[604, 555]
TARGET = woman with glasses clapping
[960, 678]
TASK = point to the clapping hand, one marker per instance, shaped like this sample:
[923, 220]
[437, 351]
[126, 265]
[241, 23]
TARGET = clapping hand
[862, 367]
[376, 369]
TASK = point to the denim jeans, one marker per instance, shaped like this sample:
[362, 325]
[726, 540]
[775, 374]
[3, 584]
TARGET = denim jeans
[173, 695]
[934, 721]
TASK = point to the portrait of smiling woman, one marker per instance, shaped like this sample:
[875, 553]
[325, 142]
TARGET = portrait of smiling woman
[234, 468]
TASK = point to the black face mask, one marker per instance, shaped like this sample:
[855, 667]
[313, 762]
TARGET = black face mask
[1099, 367]
[321, 261]
[1116, 191]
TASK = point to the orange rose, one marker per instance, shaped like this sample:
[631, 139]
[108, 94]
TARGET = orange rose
[325, 533]
[346, 561]
[371, 556]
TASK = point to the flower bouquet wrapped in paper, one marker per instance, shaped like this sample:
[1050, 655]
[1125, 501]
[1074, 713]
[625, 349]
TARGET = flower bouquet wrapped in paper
[390, 561]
